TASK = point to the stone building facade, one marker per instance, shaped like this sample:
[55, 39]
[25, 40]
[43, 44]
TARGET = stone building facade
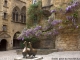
[13, 18]
[69, 41]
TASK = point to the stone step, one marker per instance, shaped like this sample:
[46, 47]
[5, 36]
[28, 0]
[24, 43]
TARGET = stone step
[20, 58]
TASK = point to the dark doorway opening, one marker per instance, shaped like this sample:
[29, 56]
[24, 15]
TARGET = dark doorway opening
[16, 42]
[3, 45]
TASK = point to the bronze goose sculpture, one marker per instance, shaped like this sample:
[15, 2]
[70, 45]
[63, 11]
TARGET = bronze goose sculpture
[25, 50]
[32, 51]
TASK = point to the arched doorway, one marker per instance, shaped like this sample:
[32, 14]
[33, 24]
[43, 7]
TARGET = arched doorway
[3, 45]
[16, 42]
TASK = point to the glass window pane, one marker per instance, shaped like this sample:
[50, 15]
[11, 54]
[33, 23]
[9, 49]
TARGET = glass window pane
[4, 28]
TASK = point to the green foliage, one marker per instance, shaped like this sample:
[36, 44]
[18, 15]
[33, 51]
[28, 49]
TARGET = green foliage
[34, 11]
[75, 14]
[22, 45]
[33, 39]
[35, 14]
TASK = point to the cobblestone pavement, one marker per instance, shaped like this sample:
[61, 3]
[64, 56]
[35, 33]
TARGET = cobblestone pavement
[65, 55]
[10, 55]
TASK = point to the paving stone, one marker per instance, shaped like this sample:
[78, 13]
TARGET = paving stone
[11, 55]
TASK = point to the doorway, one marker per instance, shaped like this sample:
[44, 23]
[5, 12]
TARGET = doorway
[16, 42]
[3, 45]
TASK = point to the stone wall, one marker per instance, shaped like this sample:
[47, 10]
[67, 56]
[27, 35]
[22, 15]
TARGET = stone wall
[48, 43]
[79, 42]
[67, 41]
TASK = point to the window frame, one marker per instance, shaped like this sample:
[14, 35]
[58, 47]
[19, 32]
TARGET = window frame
[15, 16]
[34, 1]
[4, 27]
[5, 3]
[5, 16]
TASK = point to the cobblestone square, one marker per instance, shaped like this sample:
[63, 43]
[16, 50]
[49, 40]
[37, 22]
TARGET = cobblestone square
[65, 55]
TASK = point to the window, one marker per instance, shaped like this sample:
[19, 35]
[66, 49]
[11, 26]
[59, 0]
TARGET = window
[5, 15]
[4, 27]
[15, 16]
[5, 3]
[23, 18]
[23, 15]
[34, 1]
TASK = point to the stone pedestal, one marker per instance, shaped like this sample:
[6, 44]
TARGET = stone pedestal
[20, 58]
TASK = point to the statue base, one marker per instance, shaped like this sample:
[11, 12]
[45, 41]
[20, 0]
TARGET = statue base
[29, 58]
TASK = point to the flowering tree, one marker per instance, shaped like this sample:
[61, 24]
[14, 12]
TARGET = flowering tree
[54, 26]
[39, 31]
[29, 33]
[73, 7]
[73, 17]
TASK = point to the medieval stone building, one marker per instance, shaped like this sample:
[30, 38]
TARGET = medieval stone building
[12, 21]
[13, 18]
[64, 41]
